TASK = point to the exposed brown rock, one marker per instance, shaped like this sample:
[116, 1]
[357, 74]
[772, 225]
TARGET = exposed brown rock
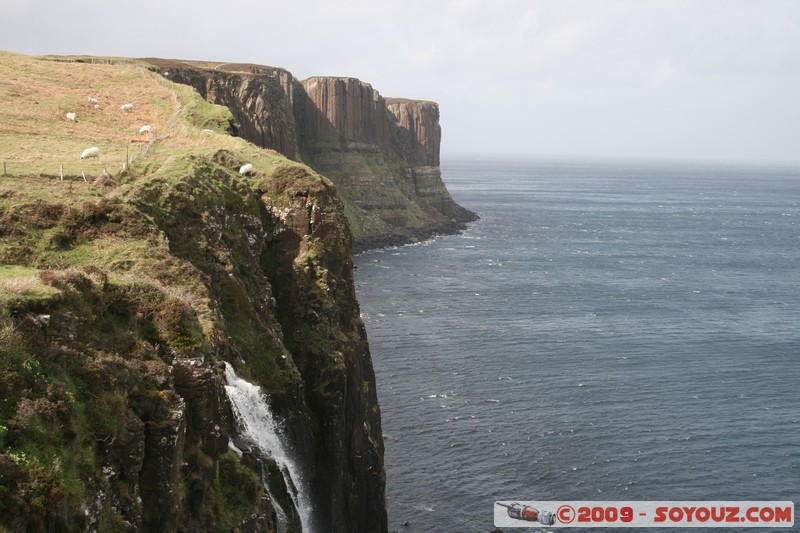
[383, 156]
[381, 153]
[113, 415]
[420, 119]
[316, 299]
[260, 98]
[344, 110]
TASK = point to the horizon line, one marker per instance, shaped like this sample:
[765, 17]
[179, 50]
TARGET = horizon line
[628, 158]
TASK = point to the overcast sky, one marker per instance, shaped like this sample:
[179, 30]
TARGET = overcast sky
[709, 79]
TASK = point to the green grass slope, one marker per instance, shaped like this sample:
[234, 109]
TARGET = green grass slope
[111, 274]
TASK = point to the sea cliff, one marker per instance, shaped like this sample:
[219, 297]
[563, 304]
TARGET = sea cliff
[381, 153]
[128, 281]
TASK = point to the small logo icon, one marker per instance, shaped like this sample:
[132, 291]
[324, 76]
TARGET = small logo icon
[527, 513]
[565, 514]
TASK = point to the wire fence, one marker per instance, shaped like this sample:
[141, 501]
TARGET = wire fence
[111, 162]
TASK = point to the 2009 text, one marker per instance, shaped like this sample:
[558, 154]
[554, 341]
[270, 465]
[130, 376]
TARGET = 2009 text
[646, 513]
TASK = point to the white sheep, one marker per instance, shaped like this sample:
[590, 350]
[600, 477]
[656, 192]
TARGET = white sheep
[72, 117]
[94, 151]
[127, 107]
[246, 169]
[97, 106]
[93, 100]
[145, 129]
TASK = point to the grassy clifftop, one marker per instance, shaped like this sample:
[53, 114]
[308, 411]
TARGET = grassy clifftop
[122, 289]
[36, 137]
[111, 212]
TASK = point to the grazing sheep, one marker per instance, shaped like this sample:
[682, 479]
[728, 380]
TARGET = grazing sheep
[145, 129]
[246, 169]
[127, 107]
[94, 151]
[97, 106]
[93, 100]
[72, 117]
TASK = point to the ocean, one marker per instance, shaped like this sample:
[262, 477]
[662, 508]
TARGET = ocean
[609, 330]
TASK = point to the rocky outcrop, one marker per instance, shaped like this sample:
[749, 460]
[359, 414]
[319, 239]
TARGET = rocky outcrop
[258, 273]
[122, 307]
[319, 317]
[382, 154]
[421, 135]
[259, 98]
[343, 111]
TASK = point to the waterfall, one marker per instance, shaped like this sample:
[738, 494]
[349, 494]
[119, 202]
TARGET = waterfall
[256, 423]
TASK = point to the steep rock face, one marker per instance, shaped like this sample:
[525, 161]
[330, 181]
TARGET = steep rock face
[319, 316]
[420, 139]
[382, 154]
[143, 428]
[260, 98]
[122, 303]
[343, 110]
[141, 425]
[422, 135]
[277, 254]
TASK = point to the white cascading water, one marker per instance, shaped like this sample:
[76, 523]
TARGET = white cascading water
[256, 422]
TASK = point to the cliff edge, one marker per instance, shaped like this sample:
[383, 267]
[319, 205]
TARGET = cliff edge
[381, 153]
[129, 280]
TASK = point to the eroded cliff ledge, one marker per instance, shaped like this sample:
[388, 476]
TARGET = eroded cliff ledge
[381, 153]
[124, 299]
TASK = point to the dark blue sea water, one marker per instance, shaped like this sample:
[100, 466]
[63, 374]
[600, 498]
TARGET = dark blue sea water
[606, 331]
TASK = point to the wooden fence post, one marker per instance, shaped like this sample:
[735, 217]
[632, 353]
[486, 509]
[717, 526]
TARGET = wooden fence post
[4, 167]
[62, 171]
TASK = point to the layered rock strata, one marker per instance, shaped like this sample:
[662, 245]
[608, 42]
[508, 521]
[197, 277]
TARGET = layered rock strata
[123, 302]
[382, 154]
[122, 383]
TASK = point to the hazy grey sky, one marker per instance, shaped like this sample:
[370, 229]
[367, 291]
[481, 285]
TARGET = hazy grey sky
[644, 78]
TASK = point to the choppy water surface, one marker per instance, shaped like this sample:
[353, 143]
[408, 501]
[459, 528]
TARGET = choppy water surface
[606, 331]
